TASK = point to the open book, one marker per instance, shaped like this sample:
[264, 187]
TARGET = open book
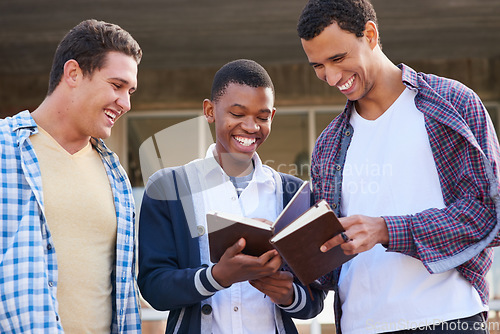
[297, 234]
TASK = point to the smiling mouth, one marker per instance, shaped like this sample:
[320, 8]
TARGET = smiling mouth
[245, 141]
[347, 85]
[110, 114]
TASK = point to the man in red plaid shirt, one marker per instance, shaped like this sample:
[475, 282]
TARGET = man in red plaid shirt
[412, 167]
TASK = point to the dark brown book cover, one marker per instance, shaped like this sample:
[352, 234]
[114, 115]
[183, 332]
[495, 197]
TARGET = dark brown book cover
[301, 248]
[257, 238]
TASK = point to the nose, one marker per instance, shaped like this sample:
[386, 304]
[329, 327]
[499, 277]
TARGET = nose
[332, 76]
[123, 101]
[250, 125]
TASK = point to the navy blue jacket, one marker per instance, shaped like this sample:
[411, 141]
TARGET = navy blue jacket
[169, 258]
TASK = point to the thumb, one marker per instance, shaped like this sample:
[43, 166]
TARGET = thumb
[236, 248]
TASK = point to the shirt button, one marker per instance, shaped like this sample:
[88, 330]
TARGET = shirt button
[334, 206]
[348, 133]
[206, 309]
[338, 167]
[235, 309]
[51, 284]
[201, 230]
[49, 246]
[233, 198]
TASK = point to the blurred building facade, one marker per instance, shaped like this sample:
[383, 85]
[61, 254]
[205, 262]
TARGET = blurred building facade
[185, 42]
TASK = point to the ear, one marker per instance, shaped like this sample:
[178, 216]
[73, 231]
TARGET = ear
[272, 114]
[209, 110]
[371, 34]
[72, 73]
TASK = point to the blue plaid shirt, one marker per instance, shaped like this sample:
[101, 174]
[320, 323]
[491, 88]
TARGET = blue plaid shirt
[28, 266]
[467, 155]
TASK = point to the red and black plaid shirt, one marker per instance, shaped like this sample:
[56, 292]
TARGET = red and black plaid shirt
[466, 151]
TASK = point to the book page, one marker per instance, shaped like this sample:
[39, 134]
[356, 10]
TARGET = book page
[315, 211]
[220, 220]
[299, 204]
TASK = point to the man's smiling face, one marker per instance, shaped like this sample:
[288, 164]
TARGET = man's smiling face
[242, 116]
[342, 59]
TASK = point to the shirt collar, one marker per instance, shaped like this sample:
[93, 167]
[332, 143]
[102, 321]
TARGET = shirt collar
[212, 167]
[24, 120]
[99, 145]
[409, 76]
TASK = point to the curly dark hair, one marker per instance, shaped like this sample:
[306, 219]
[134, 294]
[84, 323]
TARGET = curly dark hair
[350, 15]
[242, 71]
[88, 43]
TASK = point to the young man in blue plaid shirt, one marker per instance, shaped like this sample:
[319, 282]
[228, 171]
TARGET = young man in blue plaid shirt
[412, 166]
[67, 243]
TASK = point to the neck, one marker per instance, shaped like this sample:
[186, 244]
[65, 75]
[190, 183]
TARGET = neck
[384, 91]
[55, 123]
[234, 167]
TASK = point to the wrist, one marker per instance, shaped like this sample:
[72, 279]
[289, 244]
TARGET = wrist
[383, 231]
[297, 295]
[288, 302]
[218, 276]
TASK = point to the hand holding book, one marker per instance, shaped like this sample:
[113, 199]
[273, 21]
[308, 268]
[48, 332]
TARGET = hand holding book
[236, 267]
[278, 286]
[362, 233]
[297, 235]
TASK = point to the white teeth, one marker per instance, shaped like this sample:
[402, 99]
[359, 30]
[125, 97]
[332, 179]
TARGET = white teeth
[110, 114]
[245, 141]
[347, 85]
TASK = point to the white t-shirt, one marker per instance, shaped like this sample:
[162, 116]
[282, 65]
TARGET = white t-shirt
[390, 170]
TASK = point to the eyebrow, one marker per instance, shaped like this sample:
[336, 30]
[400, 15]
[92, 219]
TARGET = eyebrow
[243, 107]
[339, 55]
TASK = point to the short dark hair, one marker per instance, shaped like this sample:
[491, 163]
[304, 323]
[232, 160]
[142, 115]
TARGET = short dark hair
[350, 15]
[88, 43]
[242, 71]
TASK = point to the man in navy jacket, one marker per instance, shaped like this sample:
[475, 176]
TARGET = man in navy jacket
[240, 293]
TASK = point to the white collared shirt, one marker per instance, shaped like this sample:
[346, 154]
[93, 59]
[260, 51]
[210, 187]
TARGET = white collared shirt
[240, 308]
